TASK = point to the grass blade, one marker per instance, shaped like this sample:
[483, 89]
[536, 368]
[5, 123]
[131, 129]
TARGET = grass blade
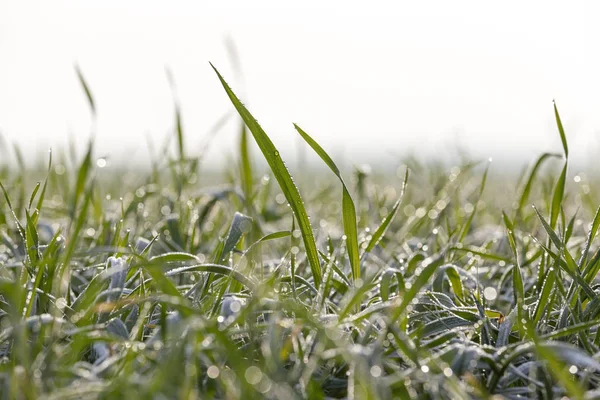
[561, 131]
[382, 228]
[286, 183]
[526, 191]
[86, 89]
[348, 208]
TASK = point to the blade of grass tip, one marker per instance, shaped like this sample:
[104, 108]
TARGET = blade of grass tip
[233, 54]
[178, 121]
[467, 226]
[560, 184]
[33, 193]
[86, 89]
[591, 235]
[40, 201]
[549, 230]
[561, 131]
[526, 191]
[348, 208]
[380, 231]
[12, 210]
[240, 225]
[286, 183]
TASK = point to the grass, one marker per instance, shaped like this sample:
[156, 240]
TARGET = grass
[437, 282]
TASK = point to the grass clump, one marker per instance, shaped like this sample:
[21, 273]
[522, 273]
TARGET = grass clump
[435, 286]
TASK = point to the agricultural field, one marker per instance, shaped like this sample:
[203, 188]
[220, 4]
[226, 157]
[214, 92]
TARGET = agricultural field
[422, 281]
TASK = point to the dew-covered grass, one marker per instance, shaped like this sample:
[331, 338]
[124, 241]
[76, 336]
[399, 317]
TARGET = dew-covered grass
[426, 281]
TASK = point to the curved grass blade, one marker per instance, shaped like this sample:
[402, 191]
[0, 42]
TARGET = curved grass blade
[380, 231]
[348, 208]
[215, 269]
[286, 183]
[428, 267]
[240, 225]
[527, 188]
[561, 130]
[86, 89]
[465, 229]
[591, 235]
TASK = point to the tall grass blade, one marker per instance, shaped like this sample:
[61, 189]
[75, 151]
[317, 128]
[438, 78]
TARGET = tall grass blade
[86, 89]
[561, 131]
[286, 183]
[348, 208]
[382, 228]
[526, 191]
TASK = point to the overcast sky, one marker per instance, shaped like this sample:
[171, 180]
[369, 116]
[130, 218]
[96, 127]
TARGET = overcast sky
[369, 80]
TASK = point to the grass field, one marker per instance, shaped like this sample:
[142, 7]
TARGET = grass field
[429, 281]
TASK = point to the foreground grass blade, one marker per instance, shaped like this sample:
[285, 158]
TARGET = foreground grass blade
[286, 183]
[348, 208]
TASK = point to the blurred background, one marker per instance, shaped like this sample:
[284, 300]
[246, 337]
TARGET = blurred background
[371, 82]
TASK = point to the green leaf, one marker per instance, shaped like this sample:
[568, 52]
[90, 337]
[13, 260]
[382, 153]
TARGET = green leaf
[382, 228]
[557, 197]
[348, 208]
[465, 229]
[245, 166]
[240, 225]
[526, 191]
[286, 183]
[561, 131]
[86, 89]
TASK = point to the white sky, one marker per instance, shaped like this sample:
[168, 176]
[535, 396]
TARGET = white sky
[366, 79]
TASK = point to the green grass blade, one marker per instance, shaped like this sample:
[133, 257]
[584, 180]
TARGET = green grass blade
[86, 89]
[179, 130]
[286, 183]
[348, 208]
[382, 228]
[526, 191]
[590, 238]
[247, 177]
[557, 197]
[240, 225]
[465, 229]
[561, 131]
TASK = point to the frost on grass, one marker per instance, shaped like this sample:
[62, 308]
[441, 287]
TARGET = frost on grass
[159, 284]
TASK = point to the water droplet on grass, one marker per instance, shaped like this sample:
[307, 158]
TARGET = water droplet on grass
[253, 375]
[490, 293]
[375, 371]
[213, 372]
[573, 369]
